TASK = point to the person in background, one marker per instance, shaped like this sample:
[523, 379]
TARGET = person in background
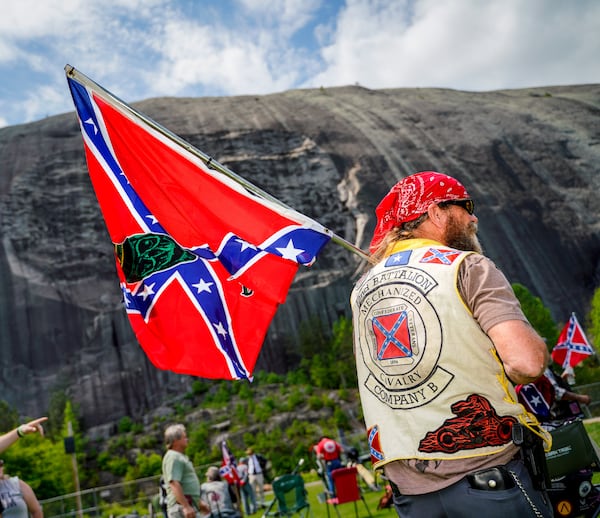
[17, 499]
[439, 340]
[246, 490]
[219, 495]
[329, 452]
[183, 486]
[256, 475]
[11, 437]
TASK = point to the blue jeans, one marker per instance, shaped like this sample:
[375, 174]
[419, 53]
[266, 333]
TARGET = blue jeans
[331, 465]
[460, 499]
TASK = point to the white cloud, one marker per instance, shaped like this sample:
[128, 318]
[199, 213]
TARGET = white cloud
[465, 44]
[286, 16]
[252, 57]
[145, 48]
[42, 103]
[198, 56]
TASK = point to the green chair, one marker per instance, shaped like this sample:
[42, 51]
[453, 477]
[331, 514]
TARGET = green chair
[290, 497]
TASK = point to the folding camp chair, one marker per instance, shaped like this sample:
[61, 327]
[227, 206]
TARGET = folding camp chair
[347, 490]
[290, 497]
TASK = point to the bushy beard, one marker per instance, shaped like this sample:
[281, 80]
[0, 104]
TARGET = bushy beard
[462, 237]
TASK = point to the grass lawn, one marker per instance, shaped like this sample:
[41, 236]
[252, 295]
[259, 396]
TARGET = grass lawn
[593, 430]
[319, 510]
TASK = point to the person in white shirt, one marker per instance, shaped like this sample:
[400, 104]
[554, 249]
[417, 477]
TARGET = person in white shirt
[256, 477]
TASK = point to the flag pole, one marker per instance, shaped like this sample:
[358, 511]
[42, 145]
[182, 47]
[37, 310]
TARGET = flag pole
[73, 73]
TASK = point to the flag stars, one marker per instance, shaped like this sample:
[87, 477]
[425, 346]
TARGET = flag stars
[147, 291]
[125, 177]
[220, 329]
[90, 122]
[152, 219]
[244, 245]
[126, 291]
[290, 252]
[536, 401]
[202, 285]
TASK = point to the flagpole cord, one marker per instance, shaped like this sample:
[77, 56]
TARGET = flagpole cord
[208, 161]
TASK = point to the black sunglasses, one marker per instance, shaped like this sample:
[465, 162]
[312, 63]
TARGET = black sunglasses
[468, 205]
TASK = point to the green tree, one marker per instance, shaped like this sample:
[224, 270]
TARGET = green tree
[593, 319]
[42, 463]
[342, 351]
[145, 466]
[125, 424]
[199, 437]
[56, 413]
[312, 337]
[328, 361]
[9, 417]
[539, 316]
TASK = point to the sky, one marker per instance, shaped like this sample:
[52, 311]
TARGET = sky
[139, 49]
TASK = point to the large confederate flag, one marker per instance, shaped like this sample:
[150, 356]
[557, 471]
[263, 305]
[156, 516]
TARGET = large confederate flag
[203, 263]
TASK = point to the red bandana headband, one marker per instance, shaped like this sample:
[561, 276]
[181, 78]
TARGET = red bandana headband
[411, 197]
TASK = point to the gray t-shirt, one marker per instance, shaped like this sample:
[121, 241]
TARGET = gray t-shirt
[12, 499]
[216, 494]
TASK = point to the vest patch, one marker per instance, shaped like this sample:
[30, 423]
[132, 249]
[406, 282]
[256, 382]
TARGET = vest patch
[404, 373]
[440, 256]
[476, 425]
[398, 259]
[374, 445]
[391, 333]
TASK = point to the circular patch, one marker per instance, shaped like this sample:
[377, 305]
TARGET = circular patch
[401, 342]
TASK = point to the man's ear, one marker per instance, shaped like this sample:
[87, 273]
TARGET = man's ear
[436, 215]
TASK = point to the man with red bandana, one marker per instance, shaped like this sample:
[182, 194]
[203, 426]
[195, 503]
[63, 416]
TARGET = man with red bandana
[440, 339]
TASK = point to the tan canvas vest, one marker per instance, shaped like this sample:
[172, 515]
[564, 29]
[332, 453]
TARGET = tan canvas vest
[431, 384]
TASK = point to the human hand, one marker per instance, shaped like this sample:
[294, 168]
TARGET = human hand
[32, 427]
[203, 506]
[585, 399]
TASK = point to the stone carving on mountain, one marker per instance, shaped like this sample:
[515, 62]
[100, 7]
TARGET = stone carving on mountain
[530, 158]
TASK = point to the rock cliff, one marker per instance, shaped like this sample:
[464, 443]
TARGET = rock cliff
[530, 158]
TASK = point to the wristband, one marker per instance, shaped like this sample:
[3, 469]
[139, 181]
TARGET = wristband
[19, 432]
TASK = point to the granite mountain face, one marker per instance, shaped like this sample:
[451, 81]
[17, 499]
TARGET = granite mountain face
[530, 158]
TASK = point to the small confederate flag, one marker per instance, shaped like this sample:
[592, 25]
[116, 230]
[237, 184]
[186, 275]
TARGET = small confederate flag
[203, 262]
[536, 397]
[572, 346]
[228, 469]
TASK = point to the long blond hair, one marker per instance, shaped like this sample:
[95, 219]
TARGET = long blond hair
[404, 231]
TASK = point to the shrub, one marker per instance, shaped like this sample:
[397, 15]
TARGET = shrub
[125, 424]
[118, 466]
[315, 403]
